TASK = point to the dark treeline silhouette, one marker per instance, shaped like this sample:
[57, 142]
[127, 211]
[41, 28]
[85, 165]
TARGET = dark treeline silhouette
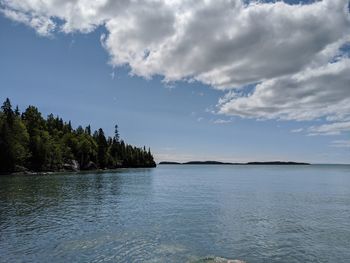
[29, 142]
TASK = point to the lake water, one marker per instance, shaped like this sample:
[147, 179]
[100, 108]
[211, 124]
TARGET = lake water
[178, 214]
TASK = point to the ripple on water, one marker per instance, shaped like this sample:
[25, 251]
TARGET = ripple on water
[178, 214]
[217, 260]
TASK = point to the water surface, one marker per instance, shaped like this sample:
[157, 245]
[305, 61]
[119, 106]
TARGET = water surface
[178, 214]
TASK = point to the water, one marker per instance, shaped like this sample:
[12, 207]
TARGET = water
[178, 214]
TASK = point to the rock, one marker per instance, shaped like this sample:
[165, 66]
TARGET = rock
[21, 169]
[72, 166]
[90, 166]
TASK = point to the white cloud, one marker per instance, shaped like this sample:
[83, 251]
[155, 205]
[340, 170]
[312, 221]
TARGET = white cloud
[297, 130]
[223, 43]
[314, 93]
[341, 144]
[43, 25]
[335, 128]
[286, 49]
[221, 121]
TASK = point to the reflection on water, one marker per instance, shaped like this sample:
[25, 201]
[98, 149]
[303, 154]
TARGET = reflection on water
[178, 214]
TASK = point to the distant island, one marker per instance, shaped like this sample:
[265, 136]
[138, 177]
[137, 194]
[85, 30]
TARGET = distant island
[197, 162]
[169, 163]
[227, 163]
[277, 163]
[30, 143]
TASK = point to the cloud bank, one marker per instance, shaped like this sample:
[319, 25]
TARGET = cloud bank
[295, 54]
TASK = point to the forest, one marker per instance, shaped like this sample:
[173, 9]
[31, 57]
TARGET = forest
[31, 143]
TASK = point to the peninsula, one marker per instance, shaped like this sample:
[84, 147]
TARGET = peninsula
[30, 143]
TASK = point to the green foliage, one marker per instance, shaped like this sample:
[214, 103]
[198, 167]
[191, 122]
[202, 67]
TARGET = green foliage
[29, 141]
[14, 140]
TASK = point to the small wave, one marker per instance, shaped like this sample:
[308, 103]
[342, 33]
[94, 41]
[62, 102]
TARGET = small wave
[217, 260]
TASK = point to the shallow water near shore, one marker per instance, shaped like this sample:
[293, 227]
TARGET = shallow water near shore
[178, 214]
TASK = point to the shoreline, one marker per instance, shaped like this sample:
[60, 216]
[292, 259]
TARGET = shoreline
[31, 173]
[228, 163]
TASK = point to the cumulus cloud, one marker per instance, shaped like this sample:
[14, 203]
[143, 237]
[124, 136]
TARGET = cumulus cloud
[313, 93]
[43, 25]
[292, 52]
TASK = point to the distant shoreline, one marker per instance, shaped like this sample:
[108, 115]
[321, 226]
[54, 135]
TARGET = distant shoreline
[228, 163]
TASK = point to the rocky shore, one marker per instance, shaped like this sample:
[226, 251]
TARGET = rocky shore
[71, 167]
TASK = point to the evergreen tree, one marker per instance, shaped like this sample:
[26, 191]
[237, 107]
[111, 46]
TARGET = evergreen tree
[116, 133]
[102, 147]
[13, 139]
[8, 112]
[30, 141]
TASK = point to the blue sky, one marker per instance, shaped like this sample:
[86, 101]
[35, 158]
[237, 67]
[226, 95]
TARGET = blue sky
[73, 75]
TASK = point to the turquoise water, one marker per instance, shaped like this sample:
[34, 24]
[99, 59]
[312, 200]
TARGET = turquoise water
[178, 214]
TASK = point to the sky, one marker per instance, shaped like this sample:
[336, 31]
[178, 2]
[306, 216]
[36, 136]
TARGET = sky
[225, 80]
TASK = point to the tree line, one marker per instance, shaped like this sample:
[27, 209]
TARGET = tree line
[30, 142]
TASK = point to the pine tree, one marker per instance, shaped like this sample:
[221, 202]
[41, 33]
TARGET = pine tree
[39, 144]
